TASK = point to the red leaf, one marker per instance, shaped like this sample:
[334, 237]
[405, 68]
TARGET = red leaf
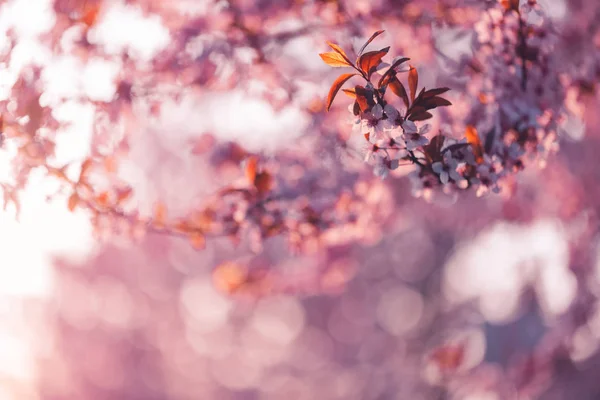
[435, 92]
[433, 150]
[334, 60]
[413, 82]
[434, 102]
[415, 109]
[473, 139]
[350, 92]
[337, 84]
[369, 61]
[417, 100]
[373, 36]
[391, 71]
[398, 62]
[356, 108]
[385, 80]
[420, 116]
[364, 98]
[340, 51]
[399, 90]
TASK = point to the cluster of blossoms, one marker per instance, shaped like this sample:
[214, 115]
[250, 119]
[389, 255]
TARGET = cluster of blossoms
[257, 206]
[521, 97]
[516, 110]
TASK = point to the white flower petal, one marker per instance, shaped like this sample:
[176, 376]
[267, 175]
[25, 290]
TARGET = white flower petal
[411, 145]
[444, 177]
[425, 129]
[381, 171]
[391, 112]
[451, 163]
[409, 127]
[483, 170]
[377, 111]
[455, 175]
[401, 154]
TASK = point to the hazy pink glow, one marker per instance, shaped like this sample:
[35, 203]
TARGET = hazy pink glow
[409, 299]
[46, 230]
[497, 265]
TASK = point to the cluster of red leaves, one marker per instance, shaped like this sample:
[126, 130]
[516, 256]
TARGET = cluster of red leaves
[365, 98]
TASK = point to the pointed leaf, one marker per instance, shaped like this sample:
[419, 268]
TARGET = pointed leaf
[391, 71]
[386, 79]
[433, 150]
[399, 61]
[413, 82]
[435, 92]
[415, 109]
[364, 98]
[434, 102]
[441, 102]
[370, 60]
[473, 139]
[334, 60]
[399, 90]
[373, 36]
[418, 100]
[350, 92]
[420, 116]
[340, 51]
[337, 84]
